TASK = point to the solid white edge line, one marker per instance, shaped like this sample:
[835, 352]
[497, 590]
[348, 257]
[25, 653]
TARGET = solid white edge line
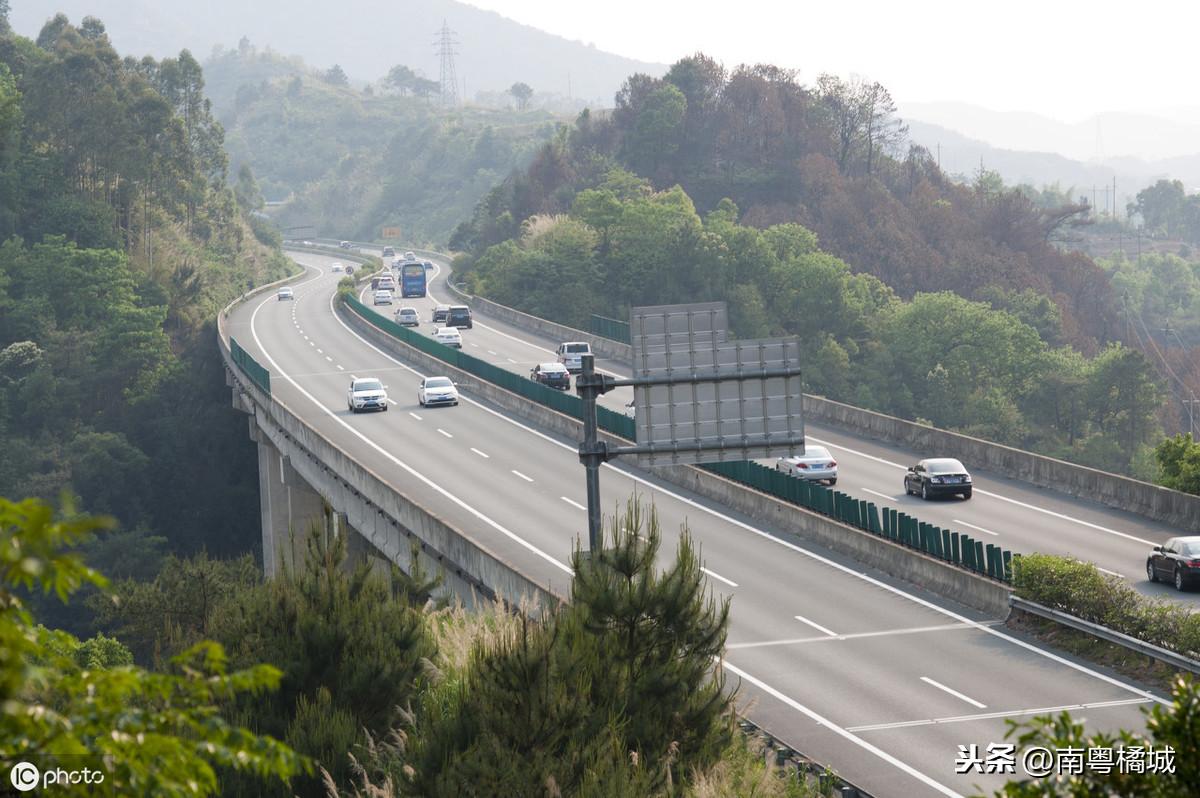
[484, 455]
[813, 556]
[972, 526]
[718, 577]
[522, 476]
[988, 493]
[409, 469]
[816, 626]
[955, 693]
[573, 503]
[821, 720]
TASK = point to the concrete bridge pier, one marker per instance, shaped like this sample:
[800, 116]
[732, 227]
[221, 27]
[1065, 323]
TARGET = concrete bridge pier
[290, 507]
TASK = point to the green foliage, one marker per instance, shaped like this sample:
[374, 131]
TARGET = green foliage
[1176, 726]
[627, 666]
[1179, 461]
[1080, 589]
[152, 733]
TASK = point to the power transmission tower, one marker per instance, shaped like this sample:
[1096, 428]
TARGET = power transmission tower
[446, 52]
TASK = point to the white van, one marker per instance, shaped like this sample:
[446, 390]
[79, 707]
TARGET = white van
[571, 353]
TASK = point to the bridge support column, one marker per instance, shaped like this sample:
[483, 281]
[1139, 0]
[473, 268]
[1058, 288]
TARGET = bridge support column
[289, 508]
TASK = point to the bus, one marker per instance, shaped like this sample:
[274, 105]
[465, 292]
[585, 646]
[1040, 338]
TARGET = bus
[412, 280]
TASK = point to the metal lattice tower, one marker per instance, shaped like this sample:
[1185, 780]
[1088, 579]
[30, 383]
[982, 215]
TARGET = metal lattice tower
[446, 52]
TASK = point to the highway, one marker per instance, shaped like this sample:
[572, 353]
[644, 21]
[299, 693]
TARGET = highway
[1003, 511]
[855, 669]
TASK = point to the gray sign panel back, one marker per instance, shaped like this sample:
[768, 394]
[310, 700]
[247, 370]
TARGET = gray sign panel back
[755, 417]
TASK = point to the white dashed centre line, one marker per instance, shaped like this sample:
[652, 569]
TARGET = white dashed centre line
[414, 415]
[718, 577]
[510, 360]
[327, 357]
[490, 352]
[341, 368]
[484, 455]
[320, 351]
[573, 503]
[877, 493]
[447, 434]
[312, 343]
[816, 626]
[954, 693]
[972, 526]
[522, 476]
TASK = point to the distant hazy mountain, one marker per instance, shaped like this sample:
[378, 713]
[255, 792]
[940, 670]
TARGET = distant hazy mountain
[962, 155]
[1107, 135]
[366, 37]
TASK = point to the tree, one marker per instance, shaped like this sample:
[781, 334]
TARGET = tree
[400, 78]
[155, 733]
[656, 129]
[425, 88]
[1175, 727]
[521, 92]
[335, 76]
[1179, 462]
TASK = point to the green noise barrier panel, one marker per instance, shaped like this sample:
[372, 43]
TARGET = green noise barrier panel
[613, 329]
[896, 526]
[257, 374]
[886, 522]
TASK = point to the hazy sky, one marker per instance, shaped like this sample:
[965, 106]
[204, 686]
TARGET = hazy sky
[1063, 58]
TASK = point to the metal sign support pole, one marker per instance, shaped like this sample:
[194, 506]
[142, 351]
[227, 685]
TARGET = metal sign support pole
[592, 451]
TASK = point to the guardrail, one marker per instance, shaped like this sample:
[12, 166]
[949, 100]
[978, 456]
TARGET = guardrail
[1104, 633]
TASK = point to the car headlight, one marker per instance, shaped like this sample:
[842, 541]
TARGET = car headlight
[967, 478]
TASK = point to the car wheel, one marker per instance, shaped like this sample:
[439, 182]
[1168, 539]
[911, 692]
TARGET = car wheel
[385, 407]
[924, 491]
[966, 495]
[1179, 579]
[1151, 574]
[833, 482]
[456, 403]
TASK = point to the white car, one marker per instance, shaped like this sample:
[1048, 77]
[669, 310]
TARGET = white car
[367, 393]
[437, 391]
[337, 267]
[450, 336]
[285, 293]
[409, 256]
[571, 353]
[382, 297]
[407, 317]
[816, 464]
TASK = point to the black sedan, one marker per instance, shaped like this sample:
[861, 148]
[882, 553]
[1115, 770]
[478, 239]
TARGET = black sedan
[940, 476]
[1177, 560]
[552, 375]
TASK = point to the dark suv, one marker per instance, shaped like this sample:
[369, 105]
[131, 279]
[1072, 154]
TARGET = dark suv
[389, 252]
[552, 375]
[459, 316]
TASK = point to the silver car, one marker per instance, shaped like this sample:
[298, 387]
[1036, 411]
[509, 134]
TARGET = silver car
[816, 464]
[382, 297]
[286, 293]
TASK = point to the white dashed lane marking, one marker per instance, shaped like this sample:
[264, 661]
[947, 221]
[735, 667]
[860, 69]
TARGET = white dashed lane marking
[484, 455]
[447, 434]
[718, 577]
[816, 626]
[954, 693]
[414, 415]
[573, 503]
[522, 476]
[972, 526]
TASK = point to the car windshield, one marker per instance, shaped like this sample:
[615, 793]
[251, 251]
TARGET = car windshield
[573, 348]
[438, 382]
[555, 367]
[407, 312]
[816, 451]
[944, 467]
[368, 385]
[1190, 549]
